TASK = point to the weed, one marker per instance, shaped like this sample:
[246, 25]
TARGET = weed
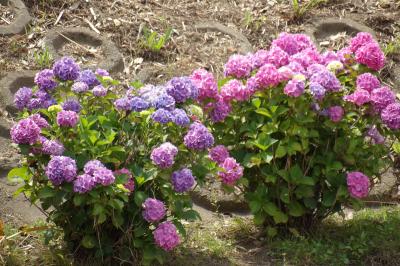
[43, 59]
[153, 41]
[300, 9]
[393, 47]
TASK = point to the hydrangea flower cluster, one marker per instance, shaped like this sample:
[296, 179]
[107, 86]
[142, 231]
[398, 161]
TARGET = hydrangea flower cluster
[26, 131]
[166, 236]
[232, 171]
[94, 173]
[164, 155]
[198, 137]
[61, 169]
[358, 184]
[67, 118]
[153, 210]
[182, 180]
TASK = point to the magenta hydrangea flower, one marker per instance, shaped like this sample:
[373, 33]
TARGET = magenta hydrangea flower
[163, 156]
[79, 87]
[293, 43]
[285, 73]
[61, 169]
[26, 131]
[45, 79]
[252, 84]
[67, 118]
[218, 154]
[368, 82]
[130, 184]
[307, 57]
[166, 236]
[232, 171]
[296, 67]
[358, 184]
[361, 39]
[198, 137]
[359, 97]
[371, 55]
[277, 57]
[22, 97]
[260, 58]
[66, 69]
[382, 97]
[182, 180]
[234, 89]
[92, 166]
[154, 210]
[84, 183]
[220, 110]
[267, 76]
[294, 88]
[99, 91]
[181, 89]
[374, 134]
[52, 147]
[89, 77]
[103, 176]
[391, 116]
[335, 113]
[205, 83]
[40, 121]
[238, 66]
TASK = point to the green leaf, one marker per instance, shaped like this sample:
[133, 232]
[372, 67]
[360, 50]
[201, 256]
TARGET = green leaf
[46, 192]
[310, 203]
[78, 199]
[259, 218]
[280, 218]
[271, 231]
[328, 198]
[284, 195]
[140, 198]
[191, 215]
[264, 112]
[306, 180]
[98, 209]
[304, 191]
[102, 218]
[255, 206]
[270, 208]
[296, 209]
[256, 102]
[116, 204]
[16, 174]
[117, 220]
[88, 241]
[280, 151]
[264, 141]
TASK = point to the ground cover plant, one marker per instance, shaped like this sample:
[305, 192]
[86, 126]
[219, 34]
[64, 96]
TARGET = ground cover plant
[110, 166]
[308, 132]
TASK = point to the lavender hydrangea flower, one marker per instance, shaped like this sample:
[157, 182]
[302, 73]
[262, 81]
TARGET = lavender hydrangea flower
[79, 87]
[317, 91]
[22, 97]
[359, 97]
[102, 72]
[335, 113]
[267, 76]
[40, 121]
[99, 91]
[371, 55]
[391, 116]
[52, 147]
[67, 118]
[232, 171]
[154, 210]
[238, 66]
[181, 89]
[327, 79]
[72, 105]
[361, 39]
[205, 83]
[368, 82]
[218, 154]
[294, 88]
[66, 69]
[180, 117]
[358, 184]
[26, 131]
[382, 97]
[198, 137]
[61, 169]
[182, 180]
[374, 134]
[84, 183]
[45, 79]
[92, 166]
[151, 93]
[164, 155]
[138, 104]
[87, 76]
[166, 236]
[165, 101]
[123, 104]
[34, 103]
[162, 116]
[103, 176]
[220, 110]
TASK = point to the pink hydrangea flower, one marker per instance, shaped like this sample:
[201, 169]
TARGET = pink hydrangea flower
[328, 57]
[277, 57]
[166, 236]
[382, 97]
[26, 131]
[154, 210]
[238, 66]
[345, 55]
[294, 88]
[232, 171]
[218, 154]
[361, 39]
[368, 82]
[307, 57]
[391, 116]
[371, 55]
[206, 84]
[267, 76]
[259, 58]
[358, 184]
[359, 97]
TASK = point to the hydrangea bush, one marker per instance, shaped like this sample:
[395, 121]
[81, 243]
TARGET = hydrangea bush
[306, 131]
[110, 166]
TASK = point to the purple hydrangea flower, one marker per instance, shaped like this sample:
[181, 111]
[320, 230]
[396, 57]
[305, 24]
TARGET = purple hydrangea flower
[164, 155]
[79, 87]
[307, 57]
[317, 91]
[315, 68]
[180, 117]
[358, 184]
[267, 76]
[359, 97]
[277, 57]
[391, 116]
[260, 58]
[40, 121]
[371, 55]
[92, 166]
[84, 183]
[99, 91]
[182, 180]
[166, 236]
[61, 169]
[151, 93]
[123, 104]
[72, 105]
[335, 113]
[103, 176]
[198, 137]
[66, 69]
[326, 79]
[22, 97]
[382, 97]
[34, 103]
[293, 43]
[181, 89]
[138, 104]
[52, 147]
[218, 154]
[374, 134]
[361, 39]
[162, 116]
[238, 66]
[253, 85]
[26, 131]
[67, 118]
[368, 82]
[328, 57]
[220, 110]
[154, 210]
[232, 171]
[45, 79]
[294, 88]
[165, 101]
[87, 76]
[205, 83]
[102, 72]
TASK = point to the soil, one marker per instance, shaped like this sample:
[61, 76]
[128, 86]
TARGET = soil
[83, 54]
[6, 15]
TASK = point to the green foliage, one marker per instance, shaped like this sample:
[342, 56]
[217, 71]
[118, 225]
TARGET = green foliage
[43, 59]
[393, 47]
[153, 41]
[300, 9]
